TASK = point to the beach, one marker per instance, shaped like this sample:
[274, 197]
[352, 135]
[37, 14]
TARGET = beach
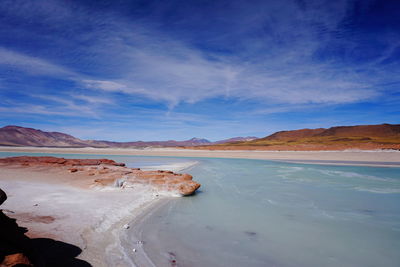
[65, 205]
[52, 206]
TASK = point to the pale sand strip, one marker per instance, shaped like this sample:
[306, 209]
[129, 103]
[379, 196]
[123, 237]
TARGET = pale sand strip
[370, 158]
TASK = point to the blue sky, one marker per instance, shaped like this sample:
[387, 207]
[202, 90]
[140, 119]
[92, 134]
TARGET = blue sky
[159, 70]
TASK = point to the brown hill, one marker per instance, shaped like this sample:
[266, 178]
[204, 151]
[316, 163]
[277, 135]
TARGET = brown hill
[293, 135]
[360, 131]
[383, 136]
[21, 136]
[379, 131]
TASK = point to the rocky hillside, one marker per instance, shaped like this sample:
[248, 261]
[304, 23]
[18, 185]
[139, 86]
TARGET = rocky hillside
[21, 136]
[340, 133]
[383, 136]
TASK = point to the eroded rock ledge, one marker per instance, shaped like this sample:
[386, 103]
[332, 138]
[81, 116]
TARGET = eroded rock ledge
[107, 172]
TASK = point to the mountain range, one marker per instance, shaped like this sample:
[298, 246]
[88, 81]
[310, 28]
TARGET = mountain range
[21, 136]
[382, 136]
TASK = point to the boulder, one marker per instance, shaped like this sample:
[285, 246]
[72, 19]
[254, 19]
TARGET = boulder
[188, 188]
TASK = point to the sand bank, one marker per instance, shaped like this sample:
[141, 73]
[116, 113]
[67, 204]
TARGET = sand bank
[388, 158]
[54, 203]
[50, 207]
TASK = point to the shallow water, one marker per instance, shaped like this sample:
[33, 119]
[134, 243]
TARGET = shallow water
[262, 213]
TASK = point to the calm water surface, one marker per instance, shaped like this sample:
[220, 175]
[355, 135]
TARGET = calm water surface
[263, 213]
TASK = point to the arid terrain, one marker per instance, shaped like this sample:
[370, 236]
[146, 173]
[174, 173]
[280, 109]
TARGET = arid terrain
[365, 137]
[22, 136]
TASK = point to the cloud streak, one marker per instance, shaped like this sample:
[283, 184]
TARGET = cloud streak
[169, 70]
[31, 65]
[218, 61]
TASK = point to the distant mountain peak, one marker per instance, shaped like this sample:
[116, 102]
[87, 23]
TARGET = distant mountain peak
[236, 139]
[199, 140]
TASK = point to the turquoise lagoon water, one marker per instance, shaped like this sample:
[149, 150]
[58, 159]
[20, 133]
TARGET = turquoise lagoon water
[265, 213]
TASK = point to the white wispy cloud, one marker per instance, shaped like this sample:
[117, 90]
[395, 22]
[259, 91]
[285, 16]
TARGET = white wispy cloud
[274, 68]
[64, 106]
[29, 109]
[31, 65]
[104, 85]
[169, 70]
[94, 100]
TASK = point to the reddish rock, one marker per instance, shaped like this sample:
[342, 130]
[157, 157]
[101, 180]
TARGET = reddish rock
[103, 171]
[110, 176]
[150, 176]
[58, 161]
[186, 177]
[17, 259]
[188, 188]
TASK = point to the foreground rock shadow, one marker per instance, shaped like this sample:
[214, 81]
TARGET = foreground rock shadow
[40, 252]
[50, 252]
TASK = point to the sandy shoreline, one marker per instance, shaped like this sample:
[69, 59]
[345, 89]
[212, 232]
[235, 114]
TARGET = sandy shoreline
[66, 207]
[383, 158]
[133, 238]
[88, 219]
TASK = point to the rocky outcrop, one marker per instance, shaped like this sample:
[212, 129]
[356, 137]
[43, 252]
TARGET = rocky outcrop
[107, 172]
[160, 180]
[26, 160]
